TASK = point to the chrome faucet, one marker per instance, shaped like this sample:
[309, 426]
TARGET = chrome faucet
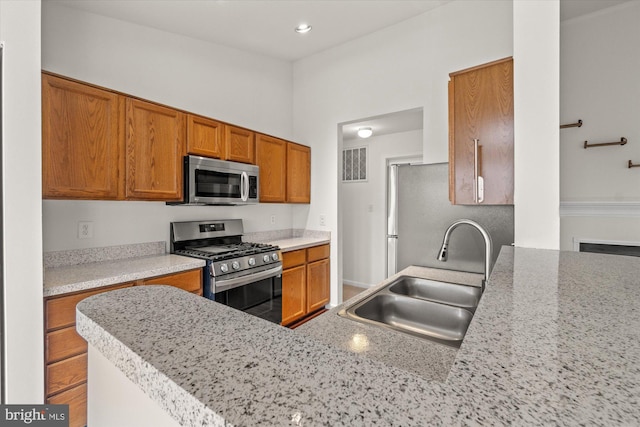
[488, 245]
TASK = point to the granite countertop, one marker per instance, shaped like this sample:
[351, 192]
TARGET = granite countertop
[80, 277]
[295, 243]
[555, 340]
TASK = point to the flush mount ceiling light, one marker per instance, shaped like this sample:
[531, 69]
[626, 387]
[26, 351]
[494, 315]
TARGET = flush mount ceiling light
[303, 28]
[365, 132]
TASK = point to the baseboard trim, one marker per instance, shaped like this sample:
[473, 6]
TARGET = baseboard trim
[356, 284]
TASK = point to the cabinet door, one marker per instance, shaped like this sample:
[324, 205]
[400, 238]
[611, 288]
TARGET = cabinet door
[298, 173]
[190, 281]
[271, 157]
[82, 141]
[240, 144]
[481, 108]
[205, 137]
[293, 294]
[155, 138]
[318, 279]
[76, 398]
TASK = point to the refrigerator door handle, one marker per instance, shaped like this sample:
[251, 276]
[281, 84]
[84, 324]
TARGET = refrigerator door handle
[392, 213]
[392, 221]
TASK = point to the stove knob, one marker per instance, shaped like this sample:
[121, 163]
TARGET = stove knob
[252, 261]
[224, 268]
[266, 258]
[235, 265]
[274, 256]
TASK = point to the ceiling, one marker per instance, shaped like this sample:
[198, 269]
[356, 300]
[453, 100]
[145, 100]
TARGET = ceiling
[402, 121]
[262, 26]
[266, 27]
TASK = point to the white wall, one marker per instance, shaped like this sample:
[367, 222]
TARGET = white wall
[22, 269]
[536, 125]
[120, 223]
[599, 84]
[401, 67]
[363, 208]
[227, 84]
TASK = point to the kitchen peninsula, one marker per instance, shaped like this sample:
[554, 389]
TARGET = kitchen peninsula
[555, 340]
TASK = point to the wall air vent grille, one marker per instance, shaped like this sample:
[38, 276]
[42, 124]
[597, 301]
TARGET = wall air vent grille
[354, 164]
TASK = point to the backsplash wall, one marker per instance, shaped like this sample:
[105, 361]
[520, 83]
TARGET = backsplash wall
[126, 222]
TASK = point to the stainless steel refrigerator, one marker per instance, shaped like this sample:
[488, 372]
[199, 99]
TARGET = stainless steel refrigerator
[419, 212]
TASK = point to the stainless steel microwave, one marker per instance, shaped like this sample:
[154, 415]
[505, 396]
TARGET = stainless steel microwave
[219, 182]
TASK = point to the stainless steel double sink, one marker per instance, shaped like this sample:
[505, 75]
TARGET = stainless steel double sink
[437, 311]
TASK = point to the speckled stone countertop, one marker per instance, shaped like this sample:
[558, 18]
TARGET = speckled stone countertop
[73, 278]
[295, 243]
[554, 341]
[290, 239]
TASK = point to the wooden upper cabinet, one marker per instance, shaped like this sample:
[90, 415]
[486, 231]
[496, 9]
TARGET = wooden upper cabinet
[481, 134]
[154, 150]
[205, 137]
[240, 144]
[271, 157]
[298, 173]
[82, 141]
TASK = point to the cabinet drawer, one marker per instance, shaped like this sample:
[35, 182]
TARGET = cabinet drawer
[318, 252]
[61, 312]
[190, 281]
[76, 398]
[66, 373]
[293, 258]
[64, 343]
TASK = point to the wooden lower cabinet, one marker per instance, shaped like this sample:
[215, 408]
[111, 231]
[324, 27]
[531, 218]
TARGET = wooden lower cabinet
[190, 281]
[305, 282]
[294, 305]
[76, 398]
[66, 351]
[317, 285]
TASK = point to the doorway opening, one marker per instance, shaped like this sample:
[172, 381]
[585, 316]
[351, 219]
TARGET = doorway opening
[362, 202]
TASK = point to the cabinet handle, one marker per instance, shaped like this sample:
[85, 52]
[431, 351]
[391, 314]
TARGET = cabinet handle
[478, 189]
[475, 170]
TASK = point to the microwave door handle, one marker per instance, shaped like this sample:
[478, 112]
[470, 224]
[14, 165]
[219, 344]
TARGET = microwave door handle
[244, 186]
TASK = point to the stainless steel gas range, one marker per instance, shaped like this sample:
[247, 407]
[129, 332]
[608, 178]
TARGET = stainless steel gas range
[246, 276]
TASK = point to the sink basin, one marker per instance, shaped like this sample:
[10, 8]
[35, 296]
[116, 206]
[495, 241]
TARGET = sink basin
[437, 311]
[442, 292]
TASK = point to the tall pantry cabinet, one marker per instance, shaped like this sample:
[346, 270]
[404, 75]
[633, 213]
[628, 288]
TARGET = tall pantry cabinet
[481, 134]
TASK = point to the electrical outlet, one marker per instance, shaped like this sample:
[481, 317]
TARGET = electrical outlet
[85, 230]
[273, 220]
[323, 220]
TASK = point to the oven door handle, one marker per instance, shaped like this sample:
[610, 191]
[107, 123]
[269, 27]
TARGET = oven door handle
[223, 285]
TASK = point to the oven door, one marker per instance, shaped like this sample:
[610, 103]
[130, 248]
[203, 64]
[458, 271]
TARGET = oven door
[259, 294]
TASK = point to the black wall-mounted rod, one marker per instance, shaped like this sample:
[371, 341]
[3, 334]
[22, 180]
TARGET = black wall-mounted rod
[631, 165]
[572, 125]
[622, 141]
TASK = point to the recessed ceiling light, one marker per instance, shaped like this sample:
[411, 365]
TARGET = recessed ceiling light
[303, 28]
[365, 132]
